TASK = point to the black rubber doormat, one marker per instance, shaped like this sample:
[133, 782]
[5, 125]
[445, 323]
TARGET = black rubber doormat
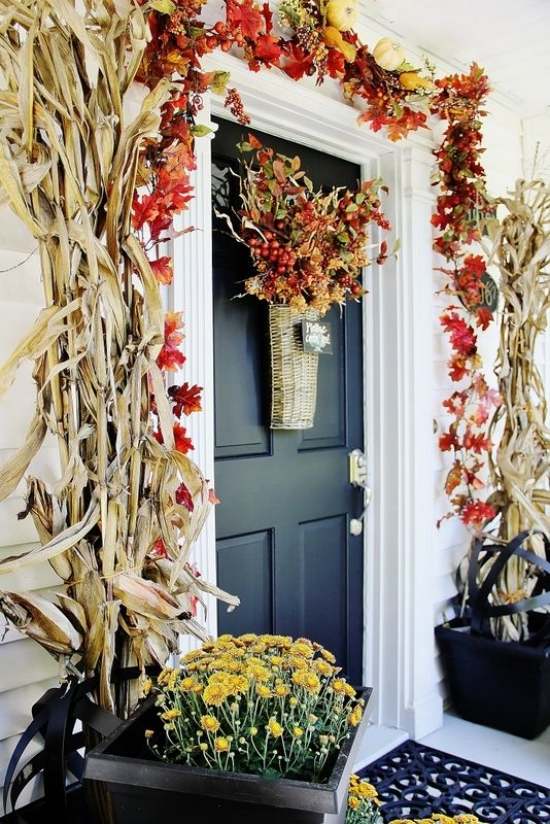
[414, 781]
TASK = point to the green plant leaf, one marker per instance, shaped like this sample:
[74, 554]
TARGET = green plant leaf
[200, 130]
[163, 6]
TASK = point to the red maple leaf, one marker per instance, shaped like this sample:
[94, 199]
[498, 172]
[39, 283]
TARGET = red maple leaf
[245, 16]
[456, 404]
[170, 357]
[267, 49]
[458, 367]
[254, 142]
[184, 497]
[163, 270]
[448, 441]
[182, 442]
[298, 62]
[476, 443]
[461, 334]
[336, 63]
[477, 513]
[484, 317]
[474, 265]
[186, 399]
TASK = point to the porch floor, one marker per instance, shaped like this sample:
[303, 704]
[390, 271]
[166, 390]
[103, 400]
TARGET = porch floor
[529, 760]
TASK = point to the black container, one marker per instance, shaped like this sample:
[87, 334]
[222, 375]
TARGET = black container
[495, 683]
[143, 790]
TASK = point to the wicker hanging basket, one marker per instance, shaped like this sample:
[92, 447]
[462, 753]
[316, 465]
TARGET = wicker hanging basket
[293, 371]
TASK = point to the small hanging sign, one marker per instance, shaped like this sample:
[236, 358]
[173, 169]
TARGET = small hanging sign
[317, 338]
[489, 295]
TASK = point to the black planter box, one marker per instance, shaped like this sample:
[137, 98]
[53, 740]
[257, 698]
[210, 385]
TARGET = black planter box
[144, 790]
[498, 684]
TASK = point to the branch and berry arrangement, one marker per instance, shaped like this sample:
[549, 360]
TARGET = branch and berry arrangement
[308, 248]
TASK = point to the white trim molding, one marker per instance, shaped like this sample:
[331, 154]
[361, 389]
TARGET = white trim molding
[399, 645]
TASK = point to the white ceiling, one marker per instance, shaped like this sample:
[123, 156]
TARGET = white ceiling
[510, 38]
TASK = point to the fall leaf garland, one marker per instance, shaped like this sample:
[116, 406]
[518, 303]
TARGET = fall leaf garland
[305, 38]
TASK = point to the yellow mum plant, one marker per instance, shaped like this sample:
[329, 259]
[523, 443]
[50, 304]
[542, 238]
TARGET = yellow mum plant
[363, 803]
[440, 818]
[262, 704]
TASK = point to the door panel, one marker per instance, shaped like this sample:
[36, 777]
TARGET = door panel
[253, 553]
[283, 541]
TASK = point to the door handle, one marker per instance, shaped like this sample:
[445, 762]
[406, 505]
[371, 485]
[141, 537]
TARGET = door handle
[358, 478]
[356, 524]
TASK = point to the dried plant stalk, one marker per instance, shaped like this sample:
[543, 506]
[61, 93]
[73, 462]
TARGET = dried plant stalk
[520, 464]
[68, 163]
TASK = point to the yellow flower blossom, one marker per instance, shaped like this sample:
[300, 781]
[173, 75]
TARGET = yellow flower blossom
[297, 732]
[366, 790]
[323, 667]
[307, 680]
[328, 656]
[170, 715]
[149, 733]
[296, 662]
[249, 638]
[215, 694]
[302, 648]
[210, 723]
[191, 656]
[355, 716]
[282, 690]
[188, 684]
[257, 671]
[274, 728]
[353, 802]
[222, 745]
[465, 818]
[263, 691]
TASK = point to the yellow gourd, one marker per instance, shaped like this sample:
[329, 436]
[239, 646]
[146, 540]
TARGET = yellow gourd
[342, 14]
[388, 54]
[412, 81]
[334, 39]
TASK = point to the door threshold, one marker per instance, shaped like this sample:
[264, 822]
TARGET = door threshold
[377, 742]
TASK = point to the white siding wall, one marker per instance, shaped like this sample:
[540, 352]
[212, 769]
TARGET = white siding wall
[26, 671]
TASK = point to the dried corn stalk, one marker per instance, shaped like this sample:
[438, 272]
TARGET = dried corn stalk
[520, 464]
[68, 163]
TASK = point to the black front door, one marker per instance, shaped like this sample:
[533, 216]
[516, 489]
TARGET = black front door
[283, 539]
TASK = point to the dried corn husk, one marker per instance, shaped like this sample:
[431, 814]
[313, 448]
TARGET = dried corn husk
[68, 166]
[520, 476]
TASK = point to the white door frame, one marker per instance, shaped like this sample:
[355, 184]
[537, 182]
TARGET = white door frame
[399, 651]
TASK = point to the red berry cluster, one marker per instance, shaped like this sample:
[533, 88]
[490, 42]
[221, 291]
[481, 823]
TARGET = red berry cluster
[277, 255]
